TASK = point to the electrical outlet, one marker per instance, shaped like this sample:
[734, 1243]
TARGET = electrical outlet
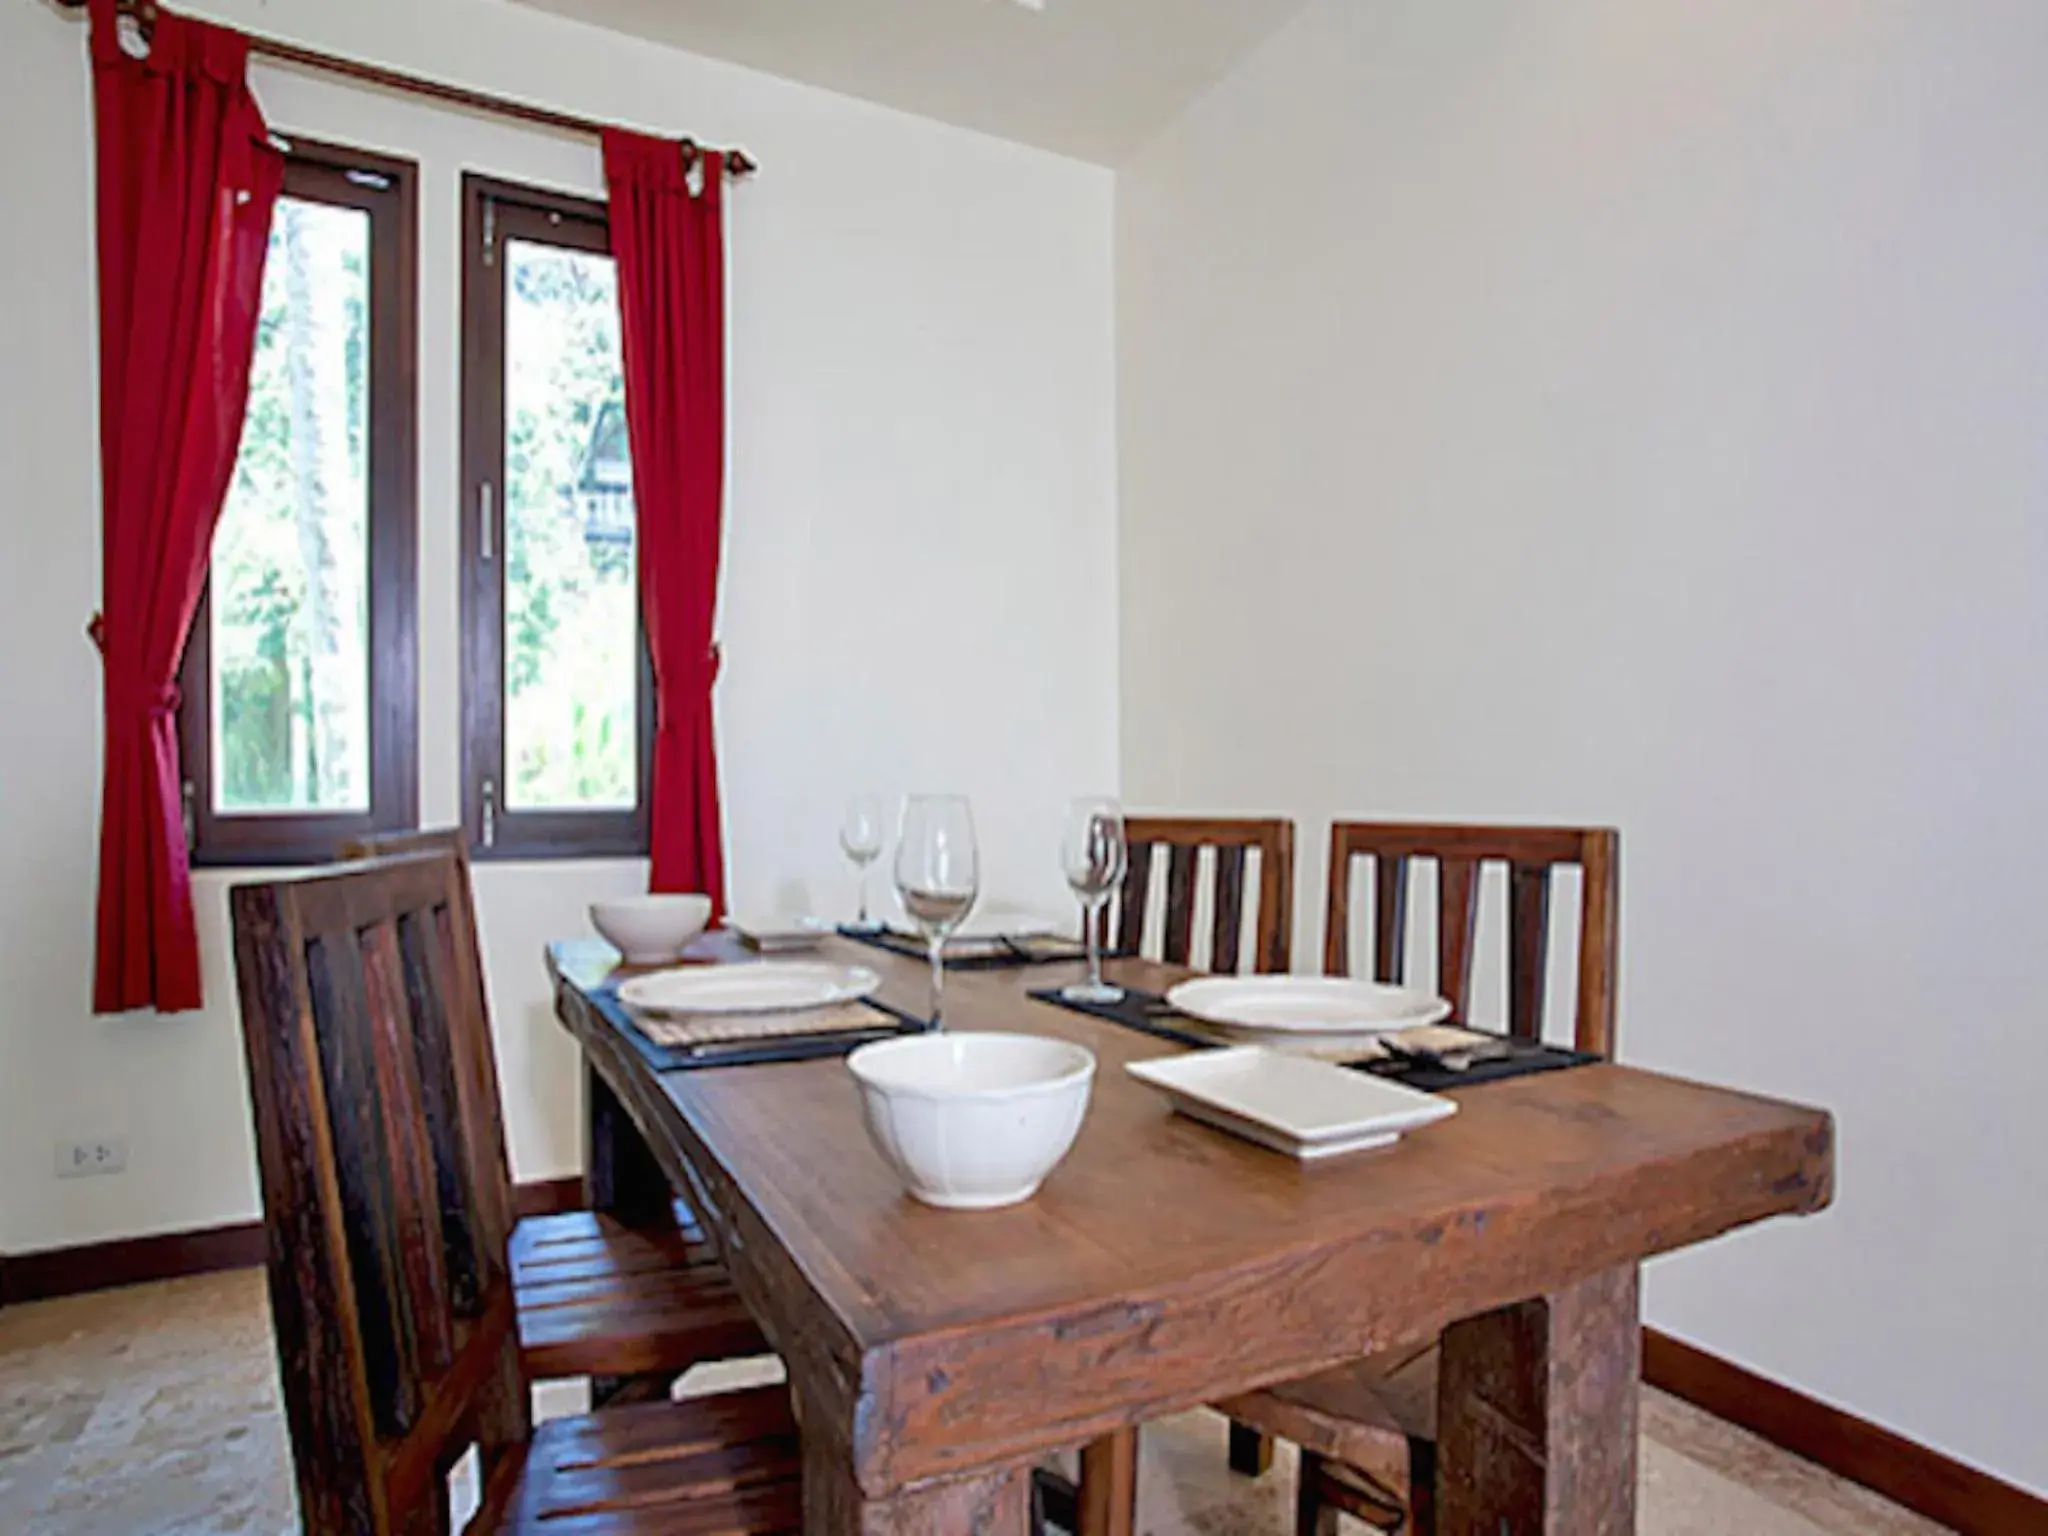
[82, 1159]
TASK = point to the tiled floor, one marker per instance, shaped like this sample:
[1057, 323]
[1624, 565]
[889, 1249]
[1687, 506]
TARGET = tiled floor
[154, 1410]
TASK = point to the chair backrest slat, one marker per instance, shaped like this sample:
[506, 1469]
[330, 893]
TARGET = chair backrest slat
[1130, 931]
[474, 1062]
[1227, 938]
[1230, 843]
[1180, 902]
[1461, 853]
[1528, 946]
[409, 1139]
[1390, 932]
[385, 1184]
[422, 943]
[368, 1182]
[1457, 923]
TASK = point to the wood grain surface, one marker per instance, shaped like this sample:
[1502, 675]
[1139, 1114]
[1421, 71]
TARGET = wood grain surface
[1163, 1264]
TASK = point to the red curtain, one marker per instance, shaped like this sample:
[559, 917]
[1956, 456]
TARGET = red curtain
[669, 245]
[187, 181]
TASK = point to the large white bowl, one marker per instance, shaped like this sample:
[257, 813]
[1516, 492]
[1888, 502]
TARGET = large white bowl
[973, 1121]
[648, 930]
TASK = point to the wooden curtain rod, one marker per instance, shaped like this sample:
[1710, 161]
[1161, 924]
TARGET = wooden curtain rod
[737, 161]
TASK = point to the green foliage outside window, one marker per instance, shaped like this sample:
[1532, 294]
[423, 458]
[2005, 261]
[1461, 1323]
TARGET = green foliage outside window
[290, 617]
[571, 609]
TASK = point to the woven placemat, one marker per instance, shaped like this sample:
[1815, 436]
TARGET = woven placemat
[691, 1041]
[689, 1031]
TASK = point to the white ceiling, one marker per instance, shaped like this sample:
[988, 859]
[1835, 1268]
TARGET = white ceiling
[1091, 78]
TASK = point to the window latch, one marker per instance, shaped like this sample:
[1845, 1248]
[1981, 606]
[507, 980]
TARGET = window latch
[489, 830]
[188, 803]
[487, 521]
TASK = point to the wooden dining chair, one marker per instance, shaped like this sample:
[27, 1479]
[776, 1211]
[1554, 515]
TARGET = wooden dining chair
[1367, 1431]
[1172, 849]
[630, 1306]
[1229, 844]
[388, 1208]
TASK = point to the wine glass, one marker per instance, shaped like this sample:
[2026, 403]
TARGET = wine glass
[1094, 854]
[860, 839]
[938, 874]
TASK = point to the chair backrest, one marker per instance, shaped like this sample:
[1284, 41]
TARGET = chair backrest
[386, 1191]
[1460, 854]
[1230, 843]
[453, 841]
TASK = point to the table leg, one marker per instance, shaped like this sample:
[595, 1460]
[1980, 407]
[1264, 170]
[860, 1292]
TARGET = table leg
[1109, 1485]
[994, 1504]
[620, 1176]
[622, 1179]
[1251, 1453]
[1536, 1410]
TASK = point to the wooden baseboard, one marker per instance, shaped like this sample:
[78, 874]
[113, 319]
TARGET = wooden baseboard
[548, 1197]
[135, 1260]
[1903, 1470]
[129, 1261]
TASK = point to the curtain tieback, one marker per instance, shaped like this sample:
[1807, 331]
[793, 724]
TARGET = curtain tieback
[140, 698]
[705, 676]
[133, 695]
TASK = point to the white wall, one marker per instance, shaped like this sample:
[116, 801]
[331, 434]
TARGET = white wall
[920, 579]
[1638, 412]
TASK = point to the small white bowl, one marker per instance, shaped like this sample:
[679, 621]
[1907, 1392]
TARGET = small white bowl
[970, 1122]
[649, 930]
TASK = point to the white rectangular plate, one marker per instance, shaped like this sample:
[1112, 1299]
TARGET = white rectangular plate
[782, 935]
[1305, 1108]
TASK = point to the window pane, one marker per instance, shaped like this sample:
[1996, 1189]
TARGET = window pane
[571, 602]
[290, 635]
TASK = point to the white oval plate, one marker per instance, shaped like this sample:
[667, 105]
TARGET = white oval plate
[770, 987]
[1307, 1005]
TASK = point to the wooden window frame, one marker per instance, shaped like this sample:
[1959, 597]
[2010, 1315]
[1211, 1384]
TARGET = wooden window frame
[494, 212]
[387, 189]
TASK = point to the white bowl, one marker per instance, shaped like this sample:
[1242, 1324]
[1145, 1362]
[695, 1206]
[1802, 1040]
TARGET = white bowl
[973, 1121]
[648, 930]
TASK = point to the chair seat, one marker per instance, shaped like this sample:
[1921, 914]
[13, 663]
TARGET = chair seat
[1362, 1414]
[597, 1298]
[713, 1466]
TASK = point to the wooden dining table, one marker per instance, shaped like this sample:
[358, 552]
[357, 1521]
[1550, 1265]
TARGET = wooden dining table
[937, 1356]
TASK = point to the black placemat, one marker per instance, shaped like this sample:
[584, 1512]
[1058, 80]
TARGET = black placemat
[1151, 1014]
[1147, 1012]
[1014, 954]
[749, 1053]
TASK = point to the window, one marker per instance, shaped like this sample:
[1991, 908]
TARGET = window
[299, 720]
[558, 702]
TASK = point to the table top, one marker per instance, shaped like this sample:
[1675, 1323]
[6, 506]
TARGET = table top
[1164, 1262]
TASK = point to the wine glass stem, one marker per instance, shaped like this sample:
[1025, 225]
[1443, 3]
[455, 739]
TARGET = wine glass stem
[1093, 933]
[862, 920]
[938, 979]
